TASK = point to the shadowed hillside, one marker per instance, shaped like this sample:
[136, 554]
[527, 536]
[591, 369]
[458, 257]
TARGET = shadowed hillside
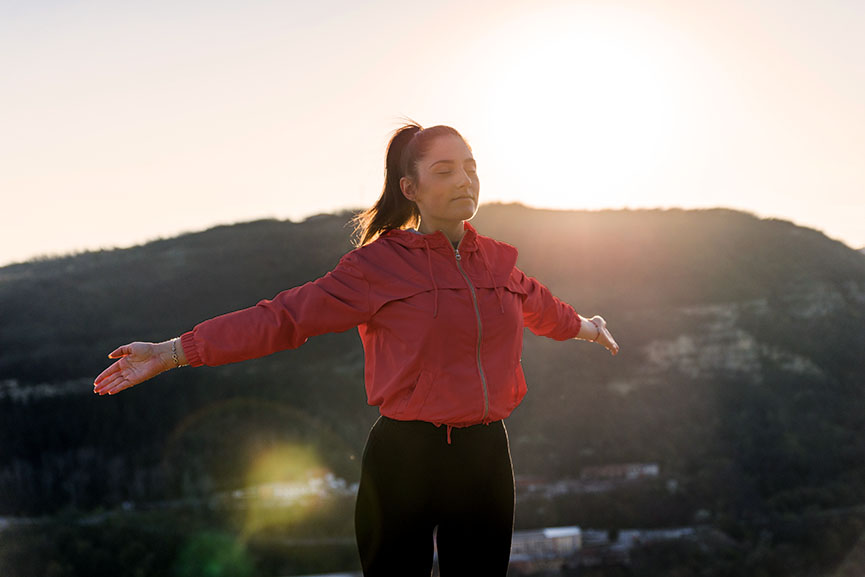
[741, 373]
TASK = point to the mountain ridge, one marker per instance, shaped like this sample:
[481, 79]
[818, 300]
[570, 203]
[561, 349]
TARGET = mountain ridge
[739, 361]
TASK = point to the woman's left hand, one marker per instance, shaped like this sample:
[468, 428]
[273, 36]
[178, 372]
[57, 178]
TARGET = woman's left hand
[604, 337]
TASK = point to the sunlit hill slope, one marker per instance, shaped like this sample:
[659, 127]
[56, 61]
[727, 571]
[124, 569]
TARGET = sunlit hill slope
[741, 373]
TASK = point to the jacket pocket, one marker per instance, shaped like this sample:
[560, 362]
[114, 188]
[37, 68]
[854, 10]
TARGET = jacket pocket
[417, 399]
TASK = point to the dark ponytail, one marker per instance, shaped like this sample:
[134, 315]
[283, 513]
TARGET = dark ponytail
[393, 210]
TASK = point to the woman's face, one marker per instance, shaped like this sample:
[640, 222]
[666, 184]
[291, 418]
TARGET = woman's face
[447, 186]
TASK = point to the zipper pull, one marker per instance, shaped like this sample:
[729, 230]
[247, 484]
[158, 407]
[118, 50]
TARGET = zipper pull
[458, 253]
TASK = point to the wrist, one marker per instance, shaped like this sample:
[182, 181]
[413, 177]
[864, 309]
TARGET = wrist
[178, 357]
[589, 330]
[597, 331]
[171, 354]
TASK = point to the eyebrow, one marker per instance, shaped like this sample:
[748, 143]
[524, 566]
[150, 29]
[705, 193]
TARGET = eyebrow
[451, 161]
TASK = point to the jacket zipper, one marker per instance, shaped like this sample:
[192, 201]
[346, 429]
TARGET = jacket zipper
[480, 332]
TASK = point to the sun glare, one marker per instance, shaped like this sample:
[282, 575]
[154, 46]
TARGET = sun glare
[268, 472]
[582, 108]
[283, 487]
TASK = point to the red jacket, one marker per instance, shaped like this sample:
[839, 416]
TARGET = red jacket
[442, 329]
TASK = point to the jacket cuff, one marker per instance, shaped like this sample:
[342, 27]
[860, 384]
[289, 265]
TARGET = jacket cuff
[187, 341]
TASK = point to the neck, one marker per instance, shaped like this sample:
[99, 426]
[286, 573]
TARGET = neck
[454, 231]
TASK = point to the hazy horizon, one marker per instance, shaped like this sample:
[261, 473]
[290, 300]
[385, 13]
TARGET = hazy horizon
[84, 250]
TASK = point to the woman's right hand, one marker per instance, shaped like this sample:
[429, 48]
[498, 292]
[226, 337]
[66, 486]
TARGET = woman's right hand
[136, 363]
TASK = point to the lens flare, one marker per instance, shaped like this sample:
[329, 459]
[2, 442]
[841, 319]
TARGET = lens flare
[267, 465]
[285, 485]
[214, 555]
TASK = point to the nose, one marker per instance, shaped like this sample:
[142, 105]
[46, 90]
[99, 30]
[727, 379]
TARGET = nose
[466, 179]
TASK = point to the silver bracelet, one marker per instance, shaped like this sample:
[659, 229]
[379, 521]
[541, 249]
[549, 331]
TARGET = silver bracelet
[177, 364]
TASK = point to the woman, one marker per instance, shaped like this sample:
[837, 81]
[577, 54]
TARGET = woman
[440, 311]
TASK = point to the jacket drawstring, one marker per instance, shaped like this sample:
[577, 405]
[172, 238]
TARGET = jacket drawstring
[449, 428]
[496, 288]
[435, 287]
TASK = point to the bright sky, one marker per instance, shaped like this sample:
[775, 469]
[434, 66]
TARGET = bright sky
[126, 121]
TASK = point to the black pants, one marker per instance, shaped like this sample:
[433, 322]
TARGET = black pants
[413, 482]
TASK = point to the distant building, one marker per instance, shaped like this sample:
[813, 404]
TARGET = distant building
[608, 548]
[547, 543]
[543, 549]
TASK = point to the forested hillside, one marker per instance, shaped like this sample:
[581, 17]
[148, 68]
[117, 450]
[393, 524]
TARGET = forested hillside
[741, 373]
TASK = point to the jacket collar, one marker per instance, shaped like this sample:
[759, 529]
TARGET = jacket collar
[436, 240]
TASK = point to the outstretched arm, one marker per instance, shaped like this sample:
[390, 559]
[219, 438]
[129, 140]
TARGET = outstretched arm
[138, 362]
[546, 315]
[335, 302]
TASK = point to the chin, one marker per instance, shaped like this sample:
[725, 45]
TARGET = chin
[467, 207]
[470, 215]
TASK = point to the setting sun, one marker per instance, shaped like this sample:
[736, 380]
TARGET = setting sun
[588, 105]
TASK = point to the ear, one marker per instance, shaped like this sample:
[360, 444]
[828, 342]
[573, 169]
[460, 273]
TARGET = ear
[406, 185]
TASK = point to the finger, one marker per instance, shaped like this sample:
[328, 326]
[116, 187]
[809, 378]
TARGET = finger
[122, 386]
[107, 383]
[116, 386]
[608, 341]
[120, 352]
[115, 389]
[115, 367]
[112, 379]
